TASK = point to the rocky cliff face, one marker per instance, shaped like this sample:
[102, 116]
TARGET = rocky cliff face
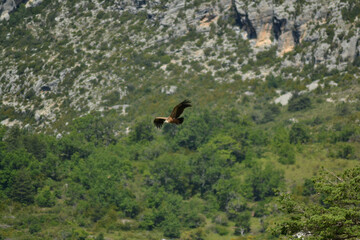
[91, 56]
[7, 6]
[289, 23]
[265, 23]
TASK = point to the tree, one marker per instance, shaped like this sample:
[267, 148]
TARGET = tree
[142, 131]
[36, 145]
[173, 172]
[264, 181]
[13, 138]
[242, 223]
[196, 130]
[298, 134]
[213, 162]
[334, 213]
[45, 198]
[95, 128]
[22, 189]
[171, 226]
[299, 102]
[281, 145]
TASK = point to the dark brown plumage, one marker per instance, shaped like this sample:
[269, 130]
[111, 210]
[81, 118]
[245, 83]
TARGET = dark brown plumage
[174, 116]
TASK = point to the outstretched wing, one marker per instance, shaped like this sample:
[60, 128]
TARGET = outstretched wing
[159, 121]
[178, 109]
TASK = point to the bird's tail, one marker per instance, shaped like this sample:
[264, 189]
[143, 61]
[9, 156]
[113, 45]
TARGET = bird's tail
[181, 120]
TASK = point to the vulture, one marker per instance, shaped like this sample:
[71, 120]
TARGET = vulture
[174, 116]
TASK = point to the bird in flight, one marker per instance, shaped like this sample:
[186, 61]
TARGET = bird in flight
[174, 116]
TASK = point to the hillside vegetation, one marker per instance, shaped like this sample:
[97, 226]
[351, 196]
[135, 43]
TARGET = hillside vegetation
[275, 118]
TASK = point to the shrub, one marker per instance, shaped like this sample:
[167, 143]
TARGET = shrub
[147, 220]
[282, 146]
[346, 151]
[195, 234]
[111, 98]
[274, 82]
[79, 234]
[343, 109]
[221, 230]
[195, 131]
[309, 188]
[221, 219]
[350, 12]
[264, 181]
[45, 198]
[297, 103]
[330, 33]
[286, 154]
[34, 228]
[242, 223]
[100, 237]
[270, 113]
[22, 189]
[298, 134]
[30, 95]
[196, 66]
[267, 57]
[171, 227]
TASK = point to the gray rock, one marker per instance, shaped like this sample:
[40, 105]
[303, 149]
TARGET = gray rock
[168, 90]
[33, 3]
[349, 49]
[320, 52]
[284, 99]
[7, 6]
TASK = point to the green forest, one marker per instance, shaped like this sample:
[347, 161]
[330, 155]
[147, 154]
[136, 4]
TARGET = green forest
[219, 175]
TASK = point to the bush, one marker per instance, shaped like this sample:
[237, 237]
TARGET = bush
[274, 82]
[34, 228]
[221, 230]
[299, 134]
[221, 219]
[343, 109]
[242, 223]
[298, 103]
[264, 181]
[111, 98]
[346, 151]
[100, 237]
[30, 95]
[79, 234]
[171, 227]
[267, 57]
[282, 146]
[309, 188]
[350, 12]
[147, 220]
[22, 189]
[45, 198]
[271, 111]
[195, 131]
[330, 33]
[196, 234]
[142, 131]
[286, 154]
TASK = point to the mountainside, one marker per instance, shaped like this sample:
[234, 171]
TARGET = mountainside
[269, 149]
[62, 58]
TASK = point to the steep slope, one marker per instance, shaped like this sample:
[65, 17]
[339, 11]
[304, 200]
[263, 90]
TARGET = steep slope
[67, 58]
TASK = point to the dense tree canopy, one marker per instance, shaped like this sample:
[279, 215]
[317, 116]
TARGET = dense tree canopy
[334, 212]
[214, 176]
